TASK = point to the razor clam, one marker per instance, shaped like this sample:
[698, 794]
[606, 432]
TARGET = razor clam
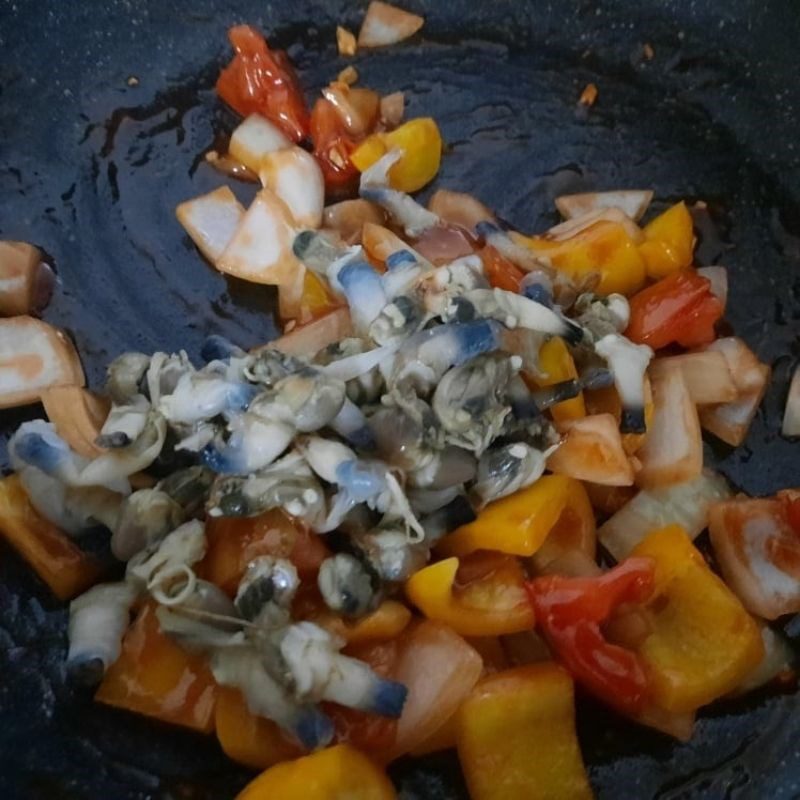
[505, 469]
[266, 591]
[470, 400]
[164, 372]
[244, 668]
[348, 585]
[288, 484]
[268, 366]
[124, 423]
[363, 289]
[628, 362]
[167, 564]
[145, 517]
[98, 620]
[601, 316]
[514, 310]
[125, 377]
[444, 285]
[320, 672]
[398, 320]
[425, 357]
[406, 211]
[200, 396]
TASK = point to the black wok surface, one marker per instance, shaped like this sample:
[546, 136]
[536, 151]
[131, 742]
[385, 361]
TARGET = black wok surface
[91, 169]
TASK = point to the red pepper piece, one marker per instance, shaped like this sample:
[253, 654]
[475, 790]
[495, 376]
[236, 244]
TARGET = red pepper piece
[570, 612]
[260, 81]
[332, 146]
[680, 308]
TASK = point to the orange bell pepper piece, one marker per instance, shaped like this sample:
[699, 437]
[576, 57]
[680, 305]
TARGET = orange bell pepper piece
[556, 364]
[520, 523]
[338, 773]
[492, 604]
[605, 248]
[233, 542]
[703, 642]
[669, 242]
[421, 143]
[387, 621]
[247, 738]
[56, 559]
[154, 676]
[516, 737]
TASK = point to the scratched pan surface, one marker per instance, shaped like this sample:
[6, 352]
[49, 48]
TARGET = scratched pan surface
[91, 169]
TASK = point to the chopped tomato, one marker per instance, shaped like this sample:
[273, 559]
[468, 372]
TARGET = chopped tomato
[233, 542]
[680, 308]
[261, 81]
[500, 272]
[793, 513]
[332, 146]
[360, 728]
[570, 612]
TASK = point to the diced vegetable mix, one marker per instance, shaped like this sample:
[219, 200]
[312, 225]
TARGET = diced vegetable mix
[385, 540]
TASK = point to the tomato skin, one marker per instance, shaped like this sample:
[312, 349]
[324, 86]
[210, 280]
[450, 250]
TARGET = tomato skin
[679, 308]
[570, 611]
[260, 81]
[332, 146]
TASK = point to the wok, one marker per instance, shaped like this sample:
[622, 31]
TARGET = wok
[105, 111]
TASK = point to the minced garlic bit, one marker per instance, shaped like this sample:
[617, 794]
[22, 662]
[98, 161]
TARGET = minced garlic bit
[648, 52]
[348, 76]
[133, 81]
[345, 41]
[588, 95]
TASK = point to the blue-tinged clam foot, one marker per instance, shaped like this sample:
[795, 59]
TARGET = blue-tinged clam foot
[388, 698]
[474, 338]
[360, 480]
[50, 455]
[363, 288]
[597, 378]
[313, 729]
[539, 294]
[486, 229]
[85, 670]
[632, 421]
[399, 258]
[223, 462]
[361, 438]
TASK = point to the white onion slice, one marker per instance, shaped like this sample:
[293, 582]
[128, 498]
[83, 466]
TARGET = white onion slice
[632, 202]
[211, 220]
[673, 448]
[26, 282]
[718, 277]
[261, 248]
[33, 357]
[791, 416]
[384, 25]
[685, 504]
[294, 175]
[706, 374]
[255, 138]
[574, 226]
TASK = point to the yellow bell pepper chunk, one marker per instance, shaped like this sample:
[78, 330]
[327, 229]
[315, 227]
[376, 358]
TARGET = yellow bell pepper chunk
[338, 773]
[703, 642]
[386, 622]
[55, 558]
[246, 738]
[516, 737]
[520, 523]
[494, 604]
[669, 242]
[421, 143]
[605, 248]
[557, 364]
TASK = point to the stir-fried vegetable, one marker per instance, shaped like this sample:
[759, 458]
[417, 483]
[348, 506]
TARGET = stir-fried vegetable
[26, 281]
[377, 534]
[516, 737]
